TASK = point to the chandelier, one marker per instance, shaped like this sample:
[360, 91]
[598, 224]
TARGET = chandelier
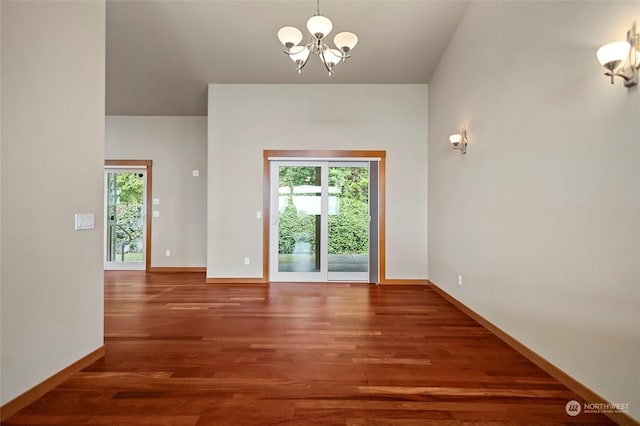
[319, 26]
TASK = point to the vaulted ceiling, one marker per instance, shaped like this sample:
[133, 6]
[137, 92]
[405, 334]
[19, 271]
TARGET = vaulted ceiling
[162, 54]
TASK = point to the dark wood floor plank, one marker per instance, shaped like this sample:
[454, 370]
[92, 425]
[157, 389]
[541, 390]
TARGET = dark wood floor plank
[181, 352]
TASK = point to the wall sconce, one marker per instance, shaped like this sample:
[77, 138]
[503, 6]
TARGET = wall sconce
[622, 58]
[459, 141]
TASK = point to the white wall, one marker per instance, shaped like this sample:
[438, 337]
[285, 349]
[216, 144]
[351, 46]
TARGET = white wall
[177, 146]
[541, 217]
[244, 120]
[53, 74]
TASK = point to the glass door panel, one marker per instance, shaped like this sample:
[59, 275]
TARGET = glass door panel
[348, 231]
[298, 216]
[125, 195]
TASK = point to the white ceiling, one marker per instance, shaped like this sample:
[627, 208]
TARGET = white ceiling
[162, 54]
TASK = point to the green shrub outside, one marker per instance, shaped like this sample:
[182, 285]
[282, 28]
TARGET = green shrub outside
[348, 230]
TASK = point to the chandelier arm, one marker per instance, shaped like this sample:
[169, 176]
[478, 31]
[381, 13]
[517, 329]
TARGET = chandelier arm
[312, 41]
[304, 63]
[324, 61]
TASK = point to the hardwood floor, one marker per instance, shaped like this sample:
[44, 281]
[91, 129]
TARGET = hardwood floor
[181, 352]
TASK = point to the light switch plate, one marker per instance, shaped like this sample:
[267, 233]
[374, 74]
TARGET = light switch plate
[156, 213]
[84, 221]
[156, 201]
[196, 173]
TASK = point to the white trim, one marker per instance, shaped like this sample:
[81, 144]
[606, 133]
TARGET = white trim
[348, 277]
[349, 163]
[126, 168]
[328, 159]
[124, 266]
[324, 219]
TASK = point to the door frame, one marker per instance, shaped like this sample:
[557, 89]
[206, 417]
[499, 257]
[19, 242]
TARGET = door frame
[329, 155]
[142, 164]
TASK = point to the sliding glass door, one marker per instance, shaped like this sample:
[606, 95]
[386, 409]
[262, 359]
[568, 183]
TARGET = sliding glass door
[319, 221]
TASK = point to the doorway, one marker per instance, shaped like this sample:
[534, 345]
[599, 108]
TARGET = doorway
[126, 235]
[321, 221]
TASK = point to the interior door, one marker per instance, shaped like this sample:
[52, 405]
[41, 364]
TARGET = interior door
[125, 218]
[319, 221]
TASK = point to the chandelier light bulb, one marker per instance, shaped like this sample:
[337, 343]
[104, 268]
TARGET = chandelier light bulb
[289, 36]
[331, 57]
[345, 41]
[319, 26]
[299, 54]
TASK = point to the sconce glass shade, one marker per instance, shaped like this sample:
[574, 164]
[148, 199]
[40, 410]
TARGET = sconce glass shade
[613, 54]
[345, 41]
[299, 53]
[455, 139]
[289, 36]
[320, 26]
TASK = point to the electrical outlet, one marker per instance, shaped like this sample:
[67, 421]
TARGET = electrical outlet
[460, 280]
[167, 253]
[247, 261]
